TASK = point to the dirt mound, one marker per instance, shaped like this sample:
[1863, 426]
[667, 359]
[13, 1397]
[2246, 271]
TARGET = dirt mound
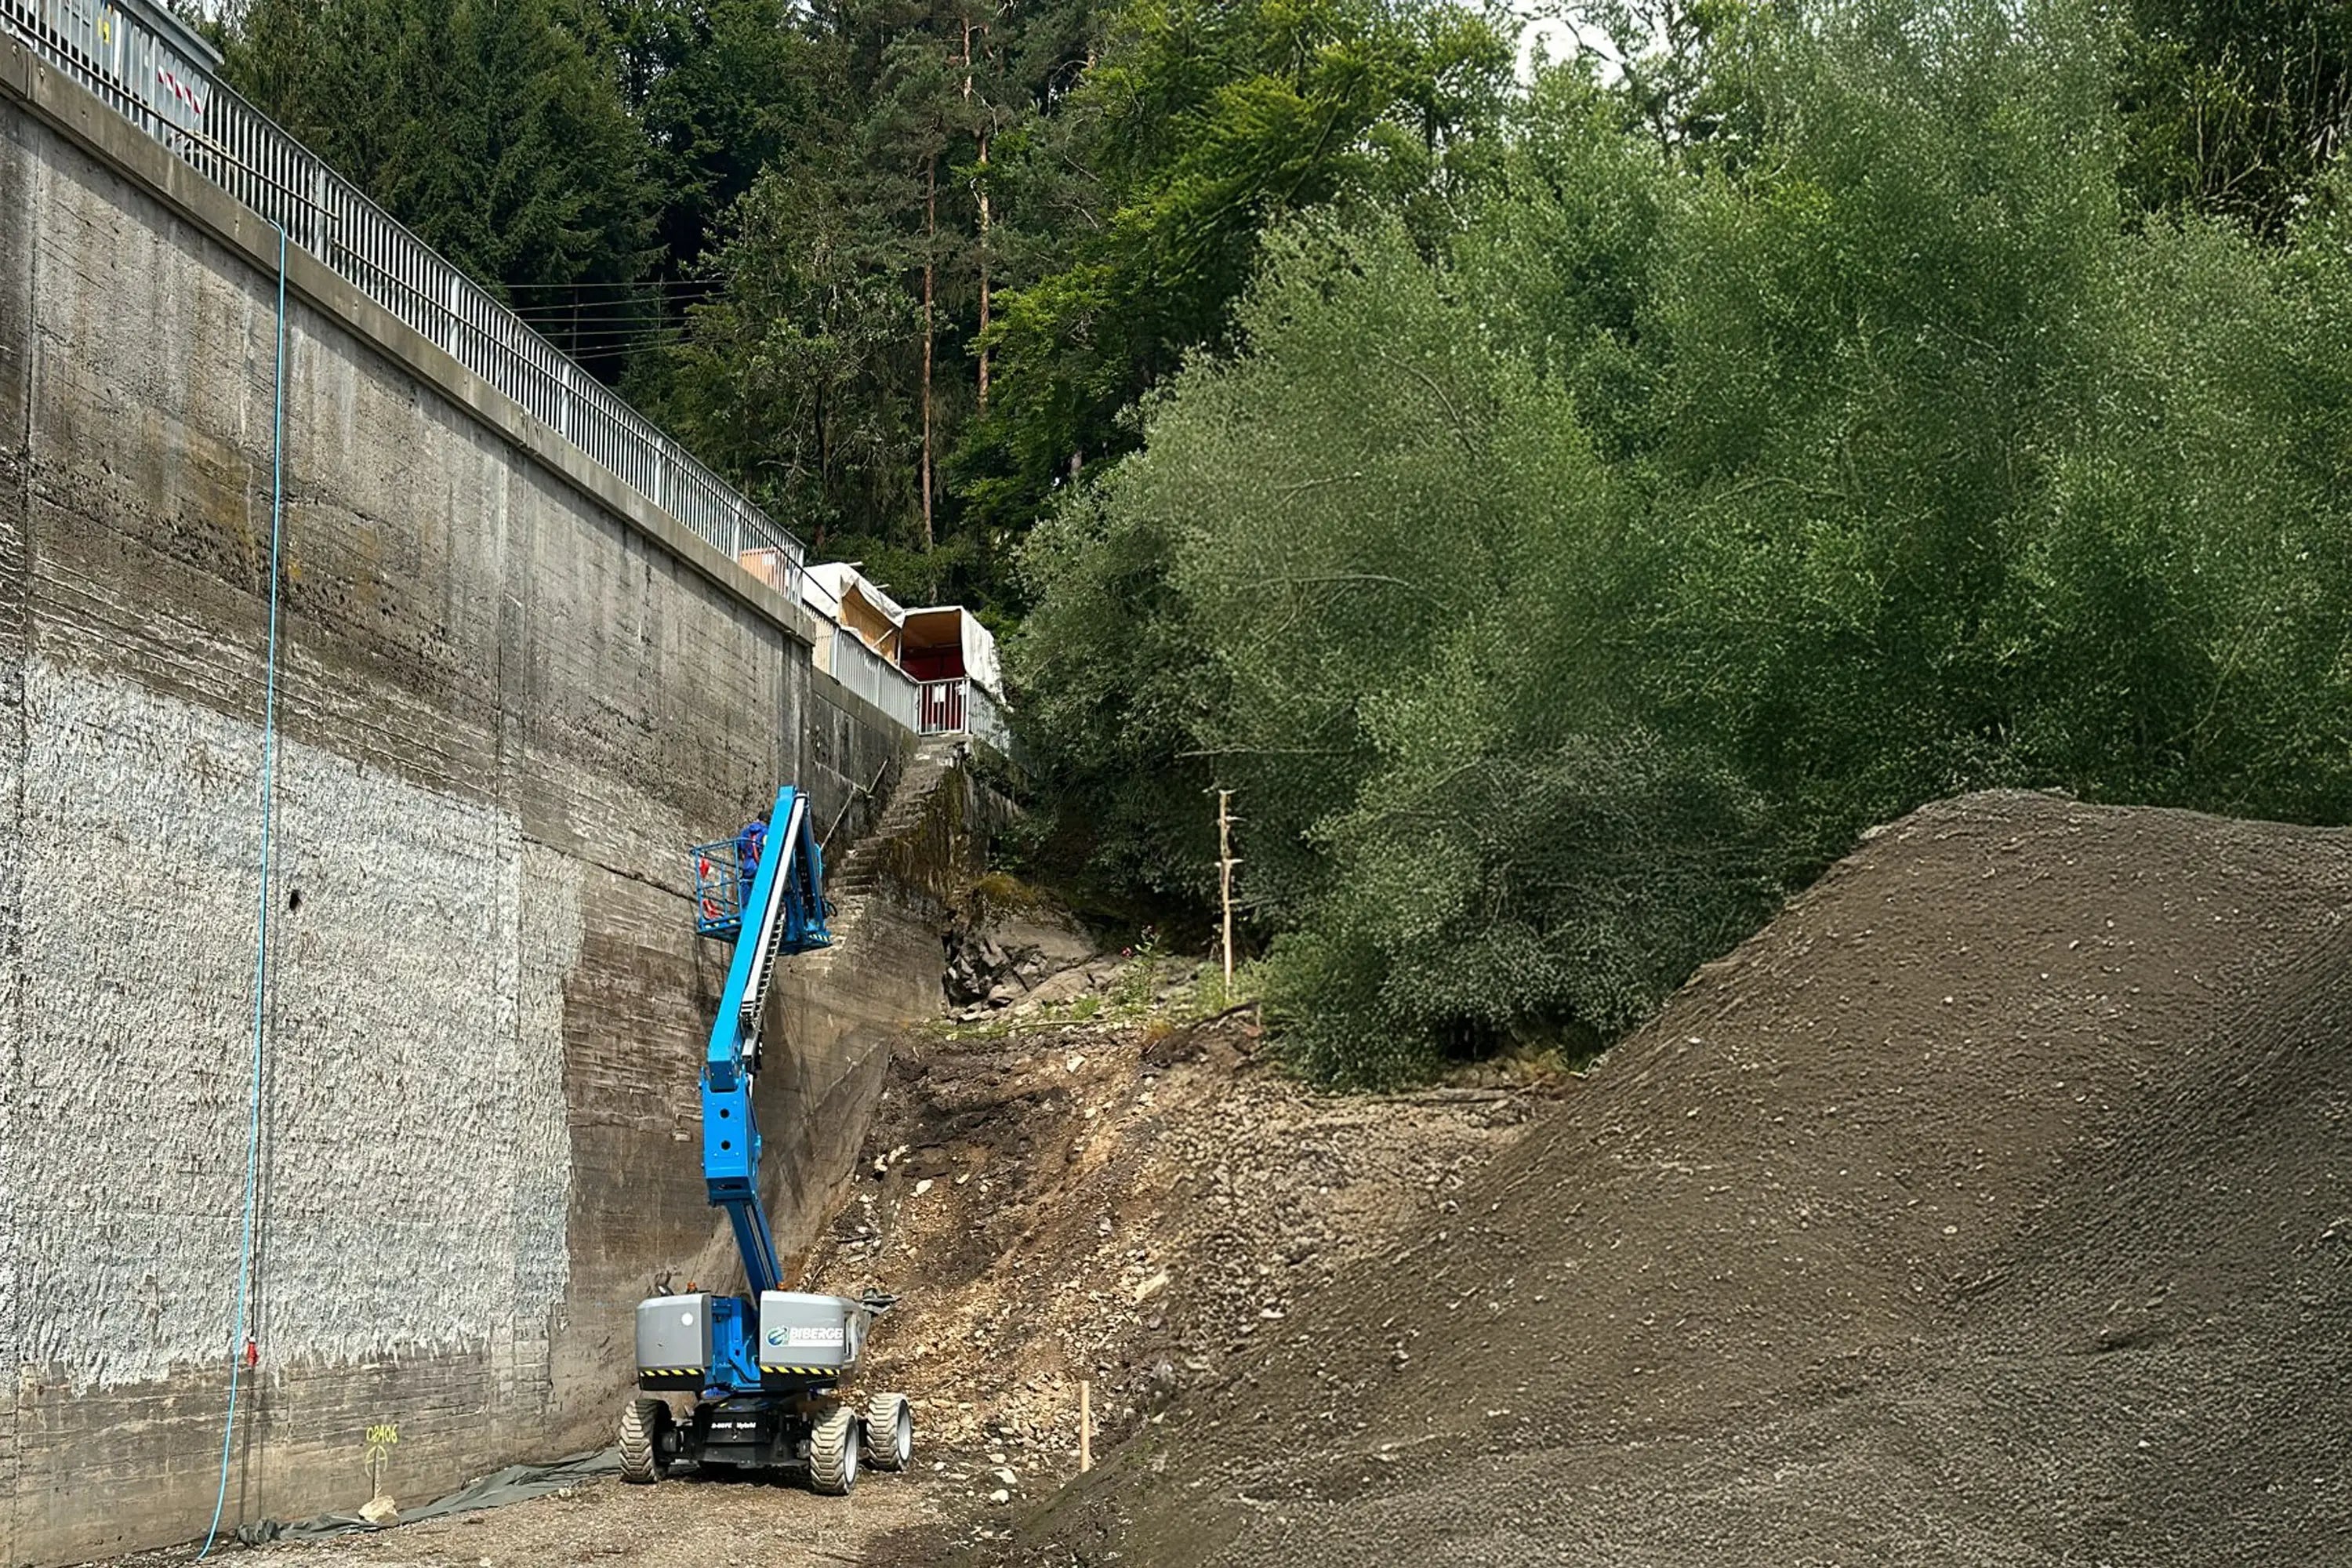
[1991, 1206]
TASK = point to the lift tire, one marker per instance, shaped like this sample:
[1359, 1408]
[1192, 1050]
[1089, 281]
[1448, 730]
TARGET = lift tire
[889, 1431]
[833, 1452]
[643, 1425]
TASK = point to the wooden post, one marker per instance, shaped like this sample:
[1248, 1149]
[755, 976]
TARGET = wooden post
[1225, 863]
[1085, 1424]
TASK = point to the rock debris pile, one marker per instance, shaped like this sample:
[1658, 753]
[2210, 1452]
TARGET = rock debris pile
[1135, 1205]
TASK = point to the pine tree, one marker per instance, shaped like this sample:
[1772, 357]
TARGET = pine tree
[494, 129]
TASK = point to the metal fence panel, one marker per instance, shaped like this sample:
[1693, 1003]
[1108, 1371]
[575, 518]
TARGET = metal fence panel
[940, 709]
[984, 718]
[872, 677]
[962, 706]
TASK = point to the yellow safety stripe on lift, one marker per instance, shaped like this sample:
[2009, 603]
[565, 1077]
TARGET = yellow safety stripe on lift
[803, 1371]
[670, 1371]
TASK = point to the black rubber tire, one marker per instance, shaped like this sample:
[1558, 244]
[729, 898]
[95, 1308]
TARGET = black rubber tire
[832, 1453]
[643, 1425]
[889, 1431]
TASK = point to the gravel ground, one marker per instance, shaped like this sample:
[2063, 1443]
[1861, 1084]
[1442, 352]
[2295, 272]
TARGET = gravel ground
[1134, 1206]
[681, 1523]
[1125, 1200]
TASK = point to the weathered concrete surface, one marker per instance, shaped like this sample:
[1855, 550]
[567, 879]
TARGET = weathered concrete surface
[507, 701]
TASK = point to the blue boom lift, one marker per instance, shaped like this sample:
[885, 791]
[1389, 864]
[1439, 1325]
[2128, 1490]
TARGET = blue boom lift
[765, 1367]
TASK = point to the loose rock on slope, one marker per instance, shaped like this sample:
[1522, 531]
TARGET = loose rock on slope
[1079, 1201]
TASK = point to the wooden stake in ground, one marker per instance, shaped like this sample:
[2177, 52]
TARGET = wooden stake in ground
[1225, 863]
[1086, 1425]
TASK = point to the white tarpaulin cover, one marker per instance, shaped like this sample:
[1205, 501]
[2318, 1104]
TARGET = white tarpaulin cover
[980, 661]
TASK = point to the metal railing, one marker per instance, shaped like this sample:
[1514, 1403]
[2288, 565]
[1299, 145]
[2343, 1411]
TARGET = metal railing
[984, 720]
[862, 670]
[939, 707]
[154, 73]
[962, 706]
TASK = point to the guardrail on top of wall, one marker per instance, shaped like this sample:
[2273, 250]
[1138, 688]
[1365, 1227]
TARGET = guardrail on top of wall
[157, 75]
[867, 673]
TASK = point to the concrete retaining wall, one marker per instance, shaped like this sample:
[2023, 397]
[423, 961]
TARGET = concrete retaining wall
[511, 692]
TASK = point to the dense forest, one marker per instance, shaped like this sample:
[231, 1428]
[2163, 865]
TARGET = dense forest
[1567, 481]
[903, 268]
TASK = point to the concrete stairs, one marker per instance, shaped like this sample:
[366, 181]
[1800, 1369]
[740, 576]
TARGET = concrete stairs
[851, 880]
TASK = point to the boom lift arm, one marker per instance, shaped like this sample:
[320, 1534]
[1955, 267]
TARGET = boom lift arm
[783, 911]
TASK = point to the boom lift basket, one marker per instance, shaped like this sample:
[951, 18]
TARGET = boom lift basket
[722, 881]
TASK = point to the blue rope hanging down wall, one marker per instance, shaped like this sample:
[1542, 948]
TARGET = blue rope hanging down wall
[240, 1343]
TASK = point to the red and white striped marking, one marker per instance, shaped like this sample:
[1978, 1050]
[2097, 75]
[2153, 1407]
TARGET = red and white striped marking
[181, 91]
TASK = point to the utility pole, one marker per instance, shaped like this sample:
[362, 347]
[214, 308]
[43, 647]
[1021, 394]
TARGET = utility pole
[1225, 863]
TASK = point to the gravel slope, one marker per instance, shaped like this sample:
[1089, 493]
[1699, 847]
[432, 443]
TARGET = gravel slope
[1129, 1205]
[1991, 1206]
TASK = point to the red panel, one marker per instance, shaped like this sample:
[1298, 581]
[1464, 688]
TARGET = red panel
[933, 663]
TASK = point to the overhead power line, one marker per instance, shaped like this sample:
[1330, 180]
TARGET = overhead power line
[642, 283]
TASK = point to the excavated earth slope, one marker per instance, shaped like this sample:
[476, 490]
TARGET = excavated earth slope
[1991, 1206]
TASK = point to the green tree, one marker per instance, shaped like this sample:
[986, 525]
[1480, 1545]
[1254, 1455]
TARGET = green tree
[835, 367]
[1200, 125]
[1555, 600]
[1115, 683]
[721, 90]
[2234, 108]
[792, 379]
[494, 129]
[1878, 337]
